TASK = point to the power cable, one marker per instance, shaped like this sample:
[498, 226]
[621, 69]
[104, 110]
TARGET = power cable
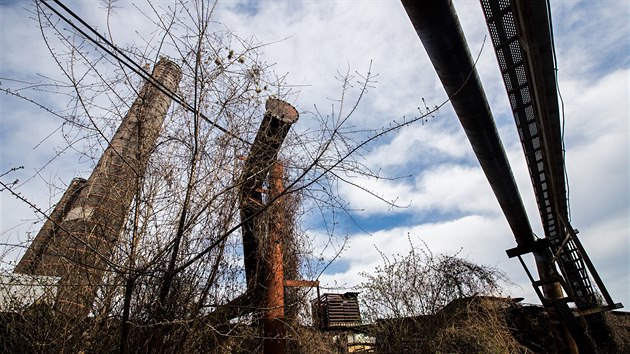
[564, 150]
[132, 65]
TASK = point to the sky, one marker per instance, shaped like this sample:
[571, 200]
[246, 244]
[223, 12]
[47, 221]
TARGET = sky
[448, 204]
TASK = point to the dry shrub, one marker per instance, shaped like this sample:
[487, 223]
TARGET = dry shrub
[39, 329]
[308, 340]
[619, 324]
[423, 302]
[469, 325]
[476, 325]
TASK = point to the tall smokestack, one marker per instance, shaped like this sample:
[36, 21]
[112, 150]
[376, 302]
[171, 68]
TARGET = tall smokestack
[86, 228]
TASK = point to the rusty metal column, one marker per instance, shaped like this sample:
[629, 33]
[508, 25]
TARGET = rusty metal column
[274, 329]
[87, 235]
[273, 130]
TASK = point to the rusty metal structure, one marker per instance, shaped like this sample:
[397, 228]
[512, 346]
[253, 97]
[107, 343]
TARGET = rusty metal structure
[263, 230]
[263, 243]
[78, 240]
[523, 44]
[274, 329]
[263, 154]
[522, 38]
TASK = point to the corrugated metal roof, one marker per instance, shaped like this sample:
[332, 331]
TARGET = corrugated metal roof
[337, 310]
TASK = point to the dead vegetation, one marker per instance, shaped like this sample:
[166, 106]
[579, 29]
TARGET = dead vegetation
[428, 303]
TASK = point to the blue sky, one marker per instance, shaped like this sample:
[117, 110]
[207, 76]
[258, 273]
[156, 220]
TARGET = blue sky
[450, 206]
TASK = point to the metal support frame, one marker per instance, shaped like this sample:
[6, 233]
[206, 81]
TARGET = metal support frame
[437, 26]
[521, 35]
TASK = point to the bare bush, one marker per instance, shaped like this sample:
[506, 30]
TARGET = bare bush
[426, 302]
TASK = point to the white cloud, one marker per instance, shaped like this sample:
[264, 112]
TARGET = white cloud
[477, 238]
[443, 188]
[420, 144]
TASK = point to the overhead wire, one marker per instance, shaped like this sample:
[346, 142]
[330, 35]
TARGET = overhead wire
[131, 64]
[562, 116]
